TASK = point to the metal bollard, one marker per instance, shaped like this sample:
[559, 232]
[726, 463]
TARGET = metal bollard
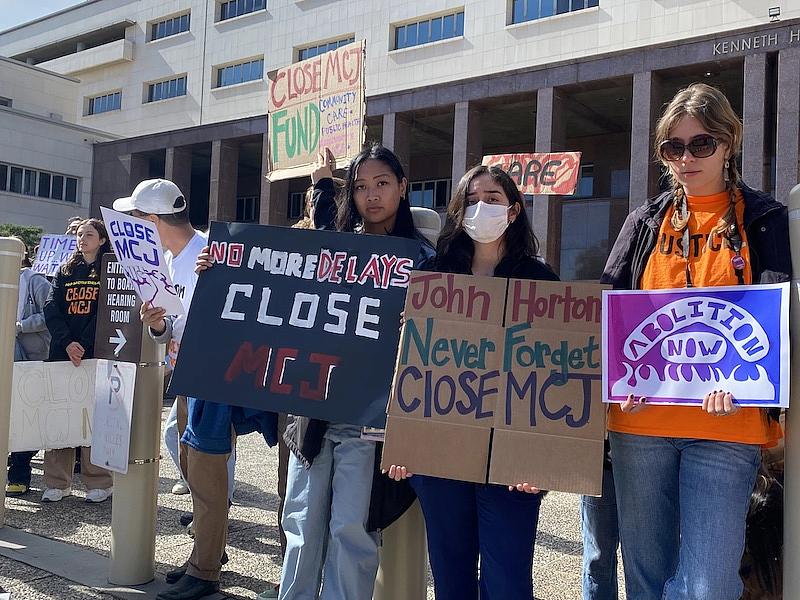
[403, 573]
[791, 515]
[133, 514]
[11, 253]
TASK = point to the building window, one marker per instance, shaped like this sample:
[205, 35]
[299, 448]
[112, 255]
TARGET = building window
[430, 194]
[105, 103]
[530, 10]
[6, 102]
[235, 8]
[168, 27]
[239, 73]
[170, 88]
[584, 238]
[429, 30]
[585, 187]
[31, 182]
[296, 204]
[312, 51]
[247, 208]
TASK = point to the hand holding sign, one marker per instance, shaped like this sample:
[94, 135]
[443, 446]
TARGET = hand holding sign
[138, 248]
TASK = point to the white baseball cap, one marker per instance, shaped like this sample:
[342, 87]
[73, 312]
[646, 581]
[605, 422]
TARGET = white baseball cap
[154, 197]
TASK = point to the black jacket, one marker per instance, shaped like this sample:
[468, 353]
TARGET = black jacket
[766, 226]
[71, 310]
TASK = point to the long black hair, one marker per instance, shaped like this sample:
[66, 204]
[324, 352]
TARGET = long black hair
[455, 249]
[77, 257]
[347, 217]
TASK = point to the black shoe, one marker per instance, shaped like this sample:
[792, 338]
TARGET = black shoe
[186, 518]
[189, 588]
[176, 574]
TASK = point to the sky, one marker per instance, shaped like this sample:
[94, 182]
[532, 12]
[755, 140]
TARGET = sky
[15, 12]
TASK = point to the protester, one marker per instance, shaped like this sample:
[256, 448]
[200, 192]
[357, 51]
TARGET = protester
[32, 343]
[331, 507]
[161, 202]
[684, 475]
[487, 233]
[72, 225]
[71, 316]
[209, 474]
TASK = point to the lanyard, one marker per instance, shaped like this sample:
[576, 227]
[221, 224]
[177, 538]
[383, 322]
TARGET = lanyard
[734, 238]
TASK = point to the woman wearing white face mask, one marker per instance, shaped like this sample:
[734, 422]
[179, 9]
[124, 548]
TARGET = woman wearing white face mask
[487, 233]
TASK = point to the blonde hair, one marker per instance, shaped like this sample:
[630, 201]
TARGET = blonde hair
[714, 112]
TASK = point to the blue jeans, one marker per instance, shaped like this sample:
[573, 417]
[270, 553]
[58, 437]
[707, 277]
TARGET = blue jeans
[467, 520]
[325, 517]
[682, 509]
[600, 541]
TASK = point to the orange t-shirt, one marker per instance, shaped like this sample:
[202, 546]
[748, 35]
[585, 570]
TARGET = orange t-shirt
[709, 265]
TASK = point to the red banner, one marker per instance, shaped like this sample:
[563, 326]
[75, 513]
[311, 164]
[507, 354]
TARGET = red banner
[550, 173]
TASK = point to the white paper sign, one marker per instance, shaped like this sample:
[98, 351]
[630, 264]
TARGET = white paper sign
[54, 251]
[52, 404]
[113, 410]
[138, 248]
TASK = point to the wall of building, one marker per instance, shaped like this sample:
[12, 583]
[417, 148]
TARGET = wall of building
[489, 45]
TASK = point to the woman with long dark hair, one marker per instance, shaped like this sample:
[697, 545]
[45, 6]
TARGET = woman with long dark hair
[487, 233]
[71, 316]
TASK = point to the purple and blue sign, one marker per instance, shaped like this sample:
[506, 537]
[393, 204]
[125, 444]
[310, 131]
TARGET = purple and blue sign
[675, 346]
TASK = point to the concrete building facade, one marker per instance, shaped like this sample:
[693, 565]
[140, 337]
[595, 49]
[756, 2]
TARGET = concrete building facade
[184, 82]
[45, 157]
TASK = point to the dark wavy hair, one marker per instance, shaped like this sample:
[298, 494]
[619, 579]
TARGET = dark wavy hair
[77, 257]
[347, 217]
[455, 249]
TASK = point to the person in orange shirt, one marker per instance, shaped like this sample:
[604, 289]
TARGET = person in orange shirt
[684, 474]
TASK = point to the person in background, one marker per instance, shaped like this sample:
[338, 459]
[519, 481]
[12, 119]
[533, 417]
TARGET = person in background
[72, 225]
[71, 316]
[32, 343]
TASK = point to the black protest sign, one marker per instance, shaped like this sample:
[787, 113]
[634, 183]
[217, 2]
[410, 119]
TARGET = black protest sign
[119, 329]
[297, 321]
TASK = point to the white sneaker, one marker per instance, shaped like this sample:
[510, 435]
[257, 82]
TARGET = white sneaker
[181, 487]
[99, 495]
[55, 495]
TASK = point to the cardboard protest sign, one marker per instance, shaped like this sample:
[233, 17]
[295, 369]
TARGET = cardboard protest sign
[53, 403]
[675, 346]
[301, 322]
[499, 381]
[314, 104]
[54, 251]
[113, 411]
[551, 173]
[138, 248]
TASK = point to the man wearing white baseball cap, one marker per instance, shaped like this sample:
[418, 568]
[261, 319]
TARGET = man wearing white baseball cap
[162, 202]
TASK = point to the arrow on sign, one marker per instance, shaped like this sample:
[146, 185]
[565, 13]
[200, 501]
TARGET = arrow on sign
[119, 340]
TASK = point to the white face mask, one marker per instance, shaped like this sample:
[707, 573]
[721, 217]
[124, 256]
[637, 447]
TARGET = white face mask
[485, 223]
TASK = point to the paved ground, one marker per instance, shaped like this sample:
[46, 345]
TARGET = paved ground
[253, 536]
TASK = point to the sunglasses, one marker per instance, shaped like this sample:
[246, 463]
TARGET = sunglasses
[701, 146]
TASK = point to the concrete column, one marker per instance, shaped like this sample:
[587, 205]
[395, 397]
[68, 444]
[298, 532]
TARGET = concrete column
[224, 173]
[138, 168]
[550, 137]
[397, 137]
[788, 130]
[178, 168]
[755, 96]
[274, 196]
[467, 141]
[644, 114]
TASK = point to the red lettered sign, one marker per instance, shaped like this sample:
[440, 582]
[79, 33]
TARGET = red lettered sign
[551, 173]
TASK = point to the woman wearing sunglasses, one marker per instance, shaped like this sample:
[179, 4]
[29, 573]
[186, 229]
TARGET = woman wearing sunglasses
[684, 475]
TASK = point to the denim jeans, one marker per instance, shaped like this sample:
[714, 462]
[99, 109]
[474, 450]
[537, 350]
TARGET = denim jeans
[19, 470]
[600, 541]
[172, 438]
[466, 520]
[325, 517]
[682, 508]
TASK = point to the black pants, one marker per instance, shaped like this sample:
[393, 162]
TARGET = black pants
[19, 470]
